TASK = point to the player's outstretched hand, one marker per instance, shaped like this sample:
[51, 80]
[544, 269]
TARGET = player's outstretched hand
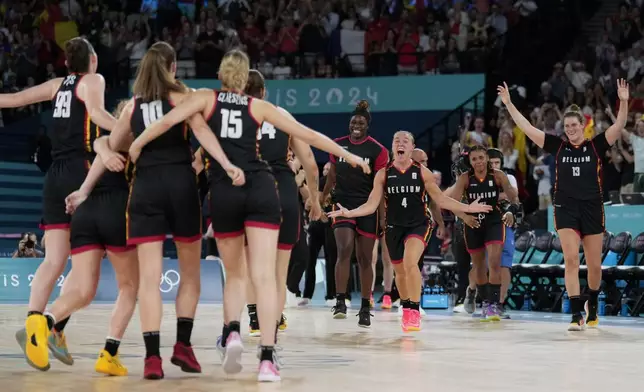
[341, 211]
[504, 93]
[355, 160]
[477, 208]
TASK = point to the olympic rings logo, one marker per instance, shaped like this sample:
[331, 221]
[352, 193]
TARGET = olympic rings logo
[169, 280]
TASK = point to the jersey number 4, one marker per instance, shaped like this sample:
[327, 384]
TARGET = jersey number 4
[62, 107]
[231, 124]
[404, 202]
[267, 129]
[152, 111]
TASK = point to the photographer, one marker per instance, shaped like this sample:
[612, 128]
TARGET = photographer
[27, 247]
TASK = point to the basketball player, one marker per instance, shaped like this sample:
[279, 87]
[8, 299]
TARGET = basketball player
[351, 188]
[496, 161]
[486, 183]
[75, 98]
[251, 211]
[274, 148]
[578, 204]
[404, 184]
[98, 226]
[164, 198]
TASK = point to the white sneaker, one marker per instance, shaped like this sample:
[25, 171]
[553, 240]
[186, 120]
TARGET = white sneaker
[291, 300]
[330, 303]
[304, 302]
[348, 303]
[422, 311]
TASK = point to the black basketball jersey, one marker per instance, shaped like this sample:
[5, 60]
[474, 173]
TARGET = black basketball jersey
[486, 190]
[236, 129]
[578, 170]
[273, 146]
[173, 147]
[73, 133]
[351, 182]
[405, 196]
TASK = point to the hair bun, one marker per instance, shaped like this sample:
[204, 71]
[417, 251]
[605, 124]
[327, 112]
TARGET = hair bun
[363, 105]
[574, 109]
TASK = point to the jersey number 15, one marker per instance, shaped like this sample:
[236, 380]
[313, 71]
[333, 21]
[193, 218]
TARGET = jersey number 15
[231, 124]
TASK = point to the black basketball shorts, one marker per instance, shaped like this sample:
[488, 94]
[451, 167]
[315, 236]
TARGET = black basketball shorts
[254, 204]
[491, 231]
[586, 217]
[63, 177]
[164, 200]
[290, 206]
[366, 226]
[397, 236]
[99, 223]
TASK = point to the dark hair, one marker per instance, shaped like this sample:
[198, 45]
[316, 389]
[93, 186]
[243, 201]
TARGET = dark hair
[574, 111]
[477, 147]
[495, 153]
[77, 53]
[255, 85]
[362, 109]
[154, 79]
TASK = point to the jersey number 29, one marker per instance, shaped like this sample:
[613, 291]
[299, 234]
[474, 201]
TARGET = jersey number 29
[63, 104]
[231, 124]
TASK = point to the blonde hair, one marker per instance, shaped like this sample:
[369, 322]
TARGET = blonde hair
[406, 133]
[119, 108]
[574, 111]
[233, 70]
[154, 78]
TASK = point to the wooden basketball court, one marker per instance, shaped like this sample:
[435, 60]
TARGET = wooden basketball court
[532, 352]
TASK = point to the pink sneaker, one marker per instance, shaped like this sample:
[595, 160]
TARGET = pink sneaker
[404, 322]
[386, 302]
[268, 372]
[413, 321]
[232, 357]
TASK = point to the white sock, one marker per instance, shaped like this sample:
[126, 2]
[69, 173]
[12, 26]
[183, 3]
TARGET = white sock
[48, 314]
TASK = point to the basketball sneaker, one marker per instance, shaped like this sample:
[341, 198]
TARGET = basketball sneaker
[304, 302]
[386, 302]
[340, 309]
[283, 324]
[233, 353]
[253, 325]
[484, 310]
[109, 365]
[503, 312]
[277, 359]
[413, 321]
[268, 372]
[592, 320]
[364, 317]
[153, 368]
[58, 346]
[577, 324]
[21, 338]
[184, 357]
[404, 320]
[470, 301]
[330, 302]
[36, 341]
[493, 312]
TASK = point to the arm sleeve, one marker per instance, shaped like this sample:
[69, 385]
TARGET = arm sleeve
[382, 160]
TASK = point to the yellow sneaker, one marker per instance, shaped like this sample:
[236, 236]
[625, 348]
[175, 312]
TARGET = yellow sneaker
[110, 365]
[590, 323]
[283, 323]
[36, 347]
[58, 347]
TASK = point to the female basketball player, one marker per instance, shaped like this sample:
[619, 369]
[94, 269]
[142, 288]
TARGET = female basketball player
[98, 225]
[404, 184]
[251, 211]
[75, 98]
[486, 183]
[164, 198]
[274, 148]
[351, 188]
[578, 204]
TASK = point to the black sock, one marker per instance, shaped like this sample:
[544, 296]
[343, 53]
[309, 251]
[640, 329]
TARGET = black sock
[60, 326]
[494, 293]
[576, 305]
[266, 353]
[32, 312]
[112, 345]
[366, 303]
[341, 297]
[593, 302]
[387, 293]
[152, 344]
[482, 291]
[50, 321]
[224, 335]
[184, 330]
[413, 305]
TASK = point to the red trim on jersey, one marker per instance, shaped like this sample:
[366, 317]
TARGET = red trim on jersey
[285, 246]
[56, 226]
[261, 225]
[145, 240]
[416, 236]
[383, 157]
[338, 221]
[187, 240]
[120, 249]
[396, 262]
[477, 250]
[368, 235]
[214, 105]
[227, 235]
[86, 248]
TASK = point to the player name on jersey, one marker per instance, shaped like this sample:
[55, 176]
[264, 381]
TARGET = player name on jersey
[405, 189]
[481, 195]
[234, 98]
[367, 160]
[575, 159]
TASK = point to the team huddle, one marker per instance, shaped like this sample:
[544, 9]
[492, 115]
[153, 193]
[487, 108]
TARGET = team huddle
[121, 182]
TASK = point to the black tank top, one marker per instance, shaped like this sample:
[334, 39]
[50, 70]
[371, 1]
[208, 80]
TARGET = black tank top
[487, 190]
[405, 196]
[73, 133]
[171, 148]
[273, 146]
[236, 130]
[578, 169]
[351, 182]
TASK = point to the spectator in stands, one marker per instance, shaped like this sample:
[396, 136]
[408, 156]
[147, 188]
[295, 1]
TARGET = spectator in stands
[27, 247]
[636, 139]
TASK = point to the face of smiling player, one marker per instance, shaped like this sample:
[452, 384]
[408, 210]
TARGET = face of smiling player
[358, 127]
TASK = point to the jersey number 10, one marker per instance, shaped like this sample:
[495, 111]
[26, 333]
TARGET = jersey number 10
[62, 107]
[152, 111]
